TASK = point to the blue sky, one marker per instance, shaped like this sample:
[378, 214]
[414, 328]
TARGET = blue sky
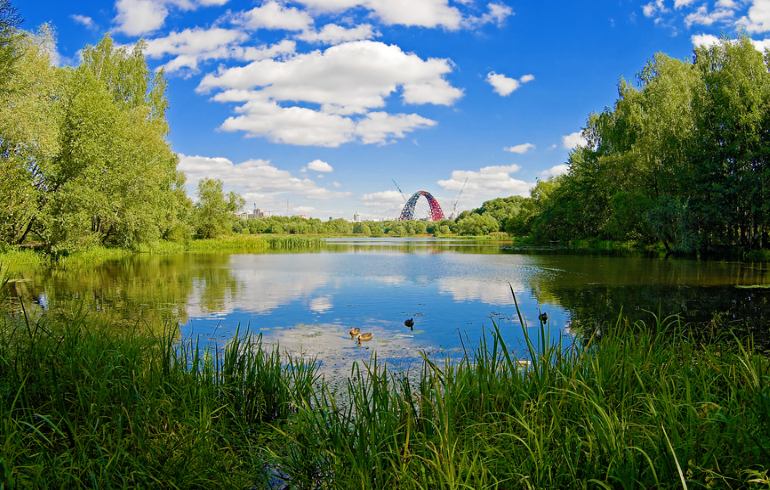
[323, 102]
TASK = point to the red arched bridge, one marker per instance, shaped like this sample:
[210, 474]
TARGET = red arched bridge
[436, 214]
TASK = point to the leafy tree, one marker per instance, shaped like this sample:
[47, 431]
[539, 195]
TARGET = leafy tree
[88, 150]
[31, 114]
[10, 38]
[501, 209]
[215, 211]
[682, 158]
[475, 224]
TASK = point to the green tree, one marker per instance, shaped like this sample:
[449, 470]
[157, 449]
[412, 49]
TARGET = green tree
[10, 38]
[215, 210]
[88, 150]
[31, 115]
[502, 209]
[476, 224]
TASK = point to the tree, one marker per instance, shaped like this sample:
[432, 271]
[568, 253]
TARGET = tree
[683, 158]
[10, 38]
[31, 114]
[215, 211]
[88, 150]
[475, 224]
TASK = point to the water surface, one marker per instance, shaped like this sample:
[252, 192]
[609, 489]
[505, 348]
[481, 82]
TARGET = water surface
[306, 302]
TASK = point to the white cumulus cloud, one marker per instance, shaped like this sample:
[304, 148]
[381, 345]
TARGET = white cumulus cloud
[273, 15]
[192, 46]
[504, 85]
[523, 148]
[556, 170]
[705, 40]
[319, 166]
[343, 81]
[335, 34]
[573, 140]
[758, 18]
[702, 16]
[139, 17]
[84, 21]
[487, 183]
[253, 178]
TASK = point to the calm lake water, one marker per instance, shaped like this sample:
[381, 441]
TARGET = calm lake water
[306, 302]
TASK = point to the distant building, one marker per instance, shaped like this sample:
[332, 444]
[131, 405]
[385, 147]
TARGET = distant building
[357, 217]
[303, 216]
[258, 213]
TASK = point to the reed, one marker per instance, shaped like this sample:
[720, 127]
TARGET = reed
[84, 405]
[255, 243]
[642, 405]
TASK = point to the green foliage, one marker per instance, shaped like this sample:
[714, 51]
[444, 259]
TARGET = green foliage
[476, 224]
[215, 211]
[86, 151]
[682, 159]
[9, 40]
[92, 405]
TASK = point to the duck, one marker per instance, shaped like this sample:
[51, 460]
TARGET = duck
[364, 336]
[354, 331]
[543, 317]
[409, 323]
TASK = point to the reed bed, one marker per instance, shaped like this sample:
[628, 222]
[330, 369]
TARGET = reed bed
[637, 406]
[255, 243]
[641, 406]
[84, 406]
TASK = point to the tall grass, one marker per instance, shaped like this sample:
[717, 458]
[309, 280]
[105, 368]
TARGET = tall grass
[255, 243]
[637, 406]
[84, 406]
[641, 407]
[24, 260]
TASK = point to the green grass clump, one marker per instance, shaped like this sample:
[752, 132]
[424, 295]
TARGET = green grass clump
[255, 243]
[636, 406]
[22, 260]
[288, 242]
[85, 406]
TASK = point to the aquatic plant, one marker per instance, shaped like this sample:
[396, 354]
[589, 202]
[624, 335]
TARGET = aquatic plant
[86, 405]
[642, 405]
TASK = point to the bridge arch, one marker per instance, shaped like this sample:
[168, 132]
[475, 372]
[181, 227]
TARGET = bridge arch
[436, 214]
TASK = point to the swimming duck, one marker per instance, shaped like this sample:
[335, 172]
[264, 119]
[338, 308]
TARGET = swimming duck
[365, 336]
[354, 331]
[409, 323]
[543, 317]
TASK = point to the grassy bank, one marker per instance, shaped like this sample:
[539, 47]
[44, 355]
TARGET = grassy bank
[644, 406]
[23, 259]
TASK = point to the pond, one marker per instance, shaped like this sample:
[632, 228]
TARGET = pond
[454, 290]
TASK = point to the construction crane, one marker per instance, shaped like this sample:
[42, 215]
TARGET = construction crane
[399, 190]
[454, 209]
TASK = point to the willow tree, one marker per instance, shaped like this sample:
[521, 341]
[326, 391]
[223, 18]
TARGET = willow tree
[31, 113]
[90, 150]
[10, 38]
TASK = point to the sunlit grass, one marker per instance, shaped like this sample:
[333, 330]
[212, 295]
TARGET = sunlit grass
[632, 406]
[85, 405]
[251, 243]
